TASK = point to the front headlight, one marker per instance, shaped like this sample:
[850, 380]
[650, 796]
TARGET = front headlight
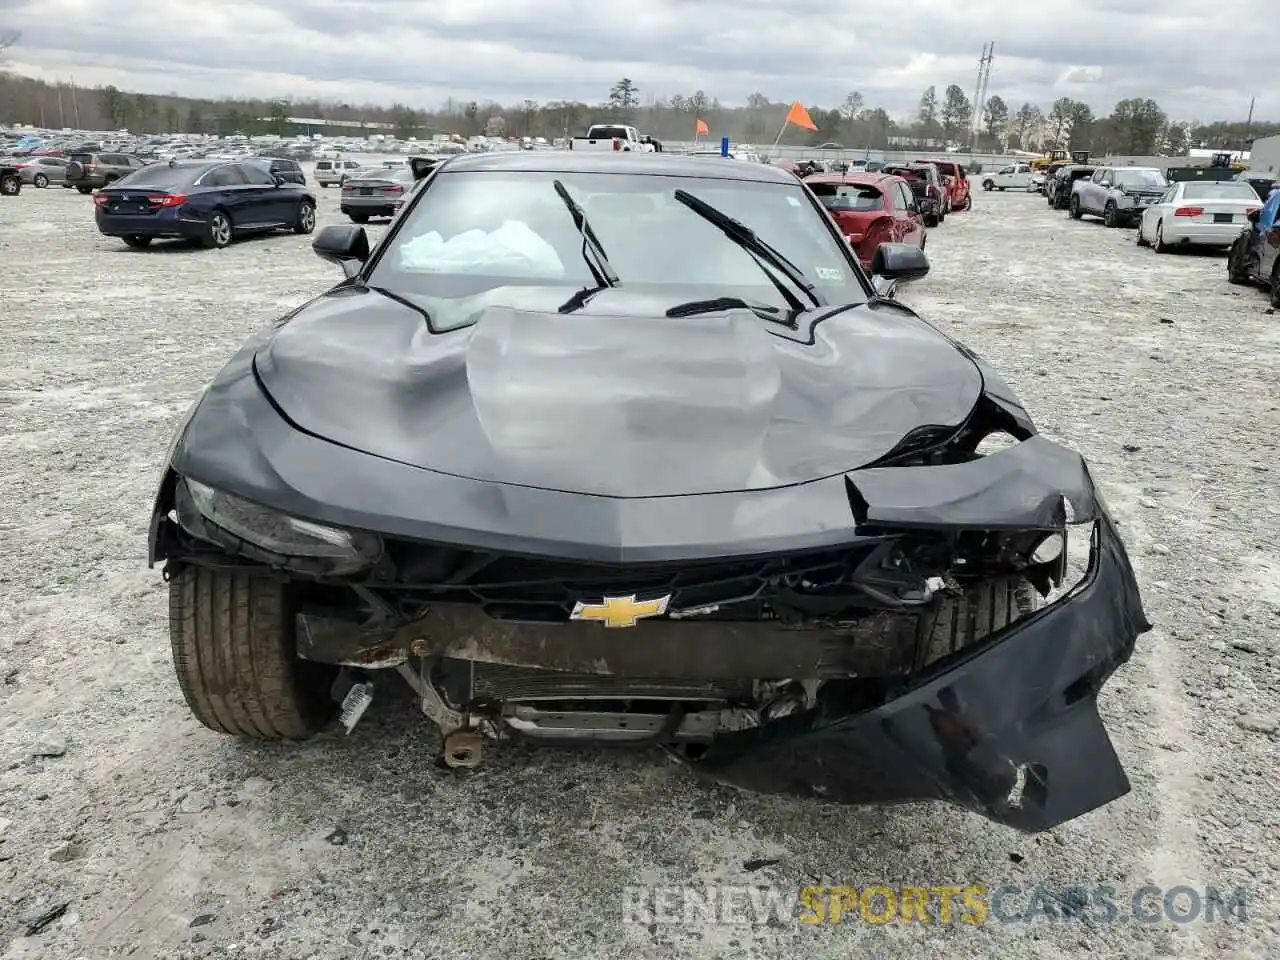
[278, 534]
[1077, 558]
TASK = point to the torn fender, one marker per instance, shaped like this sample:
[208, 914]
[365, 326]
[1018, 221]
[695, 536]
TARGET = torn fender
[1025, 487]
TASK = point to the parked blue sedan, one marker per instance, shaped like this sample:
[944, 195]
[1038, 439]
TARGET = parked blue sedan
[205, 201]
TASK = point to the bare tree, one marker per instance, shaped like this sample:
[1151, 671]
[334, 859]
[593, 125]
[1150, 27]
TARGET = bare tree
[8, 38]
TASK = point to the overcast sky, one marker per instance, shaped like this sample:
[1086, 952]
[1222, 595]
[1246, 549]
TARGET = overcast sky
[1198, 60]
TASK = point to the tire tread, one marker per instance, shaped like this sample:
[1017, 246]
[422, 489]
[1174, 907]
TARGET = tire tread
[233, 652]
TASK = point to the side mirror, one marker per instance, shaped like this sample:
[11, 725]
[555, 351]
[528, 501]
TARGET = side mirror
[1253, 215]
[884, 287]
[344, 244]
[899, 261]
[421, 166]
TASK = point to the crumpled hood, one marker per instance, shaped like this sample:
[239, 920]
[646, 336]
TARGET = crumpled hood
[617, 399]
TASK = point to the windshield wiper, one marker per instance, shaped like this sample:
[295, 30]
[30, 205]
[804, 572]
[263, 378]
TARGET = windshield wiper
[597, 262]
[746, 238]
[763, 310]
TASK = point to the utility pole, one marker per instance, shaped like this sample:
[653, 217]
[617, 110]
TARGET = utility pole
[980, 91]
[1249, 122]
[75, 105]
[62, 119]
[975, 121]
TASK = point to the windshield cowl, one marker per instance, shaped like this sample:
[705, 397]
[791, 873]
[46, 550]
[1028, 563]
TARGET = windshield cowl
[673, 305]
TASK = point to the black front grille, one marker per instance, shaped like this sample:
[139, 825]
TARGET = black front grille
[521, 588]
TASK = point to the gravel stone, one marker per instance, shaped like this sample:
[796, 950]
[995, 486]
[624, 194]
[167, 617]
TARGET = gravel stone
[1260, 723]
[49, 744]
[103, 349]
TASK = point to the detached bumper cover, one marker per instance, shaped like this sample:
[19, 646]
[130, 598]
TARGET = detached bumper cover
[1012, 732]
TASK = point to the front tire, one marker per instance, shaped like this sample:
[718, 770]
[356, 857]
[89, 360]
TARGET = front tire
[85, 190]
[235, 655]
[10, 185]
[988, 185]
[1275, 286]
[1074, 208]
[359, 217]
[137, 242]
[980, 611]
[40, 181]
[1109, 218]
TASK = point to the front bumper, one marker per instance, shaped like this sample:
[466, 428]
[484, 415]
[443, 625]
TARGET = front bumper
[1011, 732]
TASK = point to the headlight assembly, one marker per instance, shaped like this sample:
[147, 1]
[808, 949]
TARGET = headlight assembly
[211, 514]
[1077, 558]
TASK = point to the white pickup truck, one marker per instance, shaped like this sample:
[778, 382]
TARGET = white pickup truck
[612, 136]
[1016, 176]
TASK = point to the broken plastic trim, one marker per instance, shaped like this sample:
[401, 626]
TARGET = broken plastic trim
[1028, 486]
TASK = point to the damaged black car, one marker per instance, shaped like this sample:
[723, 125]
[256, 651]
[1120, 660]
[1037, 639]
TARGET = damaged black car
[628, 450]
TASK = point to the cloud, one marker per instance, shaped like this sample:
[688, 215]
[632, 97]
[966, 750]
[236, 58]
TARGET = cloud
[508, 50]
[1076, 75]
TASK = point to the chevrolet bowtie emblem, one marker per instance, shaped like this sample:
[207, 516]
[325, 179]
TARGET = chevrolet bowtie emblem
[620, 611]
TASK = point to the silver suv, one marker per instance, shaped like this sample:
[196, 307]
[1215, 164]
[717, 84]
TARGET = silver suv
[330, 172]
[1117, 194]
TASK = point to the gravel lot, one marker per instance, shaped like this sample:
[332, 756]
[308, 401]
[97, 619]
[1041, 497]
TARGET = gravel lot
[162, 839]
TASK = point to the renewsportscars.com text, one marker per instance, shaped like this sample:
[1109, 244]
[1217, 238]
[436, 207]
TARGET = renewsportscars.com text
[963, 904]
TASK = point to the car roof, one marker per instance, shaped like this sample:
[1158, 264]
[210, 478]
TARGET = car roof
[585, 161]
[190, 164]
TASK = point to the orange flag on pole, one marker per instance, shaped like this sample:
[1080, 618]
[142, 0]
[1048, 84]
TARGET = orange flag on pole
[701, 127]
[800, 116]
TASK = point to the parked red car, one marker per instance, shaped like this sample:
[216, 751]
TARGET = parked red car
[955, 180]
[870, 209]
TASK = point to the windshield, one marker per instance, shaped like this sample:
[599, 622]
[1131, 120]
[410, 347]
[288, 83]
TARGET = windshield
[1140, 178]
[1219, 191]
[601, 132]
[847, 196]
[159, 175]
[474, 233]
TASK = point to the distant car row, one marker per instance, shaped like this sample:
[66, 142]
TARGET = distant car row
[1213, 206]
[88, 171]
[894, 204]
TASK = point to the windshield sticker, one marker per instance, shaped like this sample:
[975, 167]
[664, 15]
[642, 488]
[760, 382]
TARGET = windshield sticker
[828, 273]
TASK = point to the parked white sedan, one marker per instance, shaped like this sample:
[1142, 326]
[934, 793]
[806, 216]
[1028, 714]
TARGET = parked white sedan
[1200, 212]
